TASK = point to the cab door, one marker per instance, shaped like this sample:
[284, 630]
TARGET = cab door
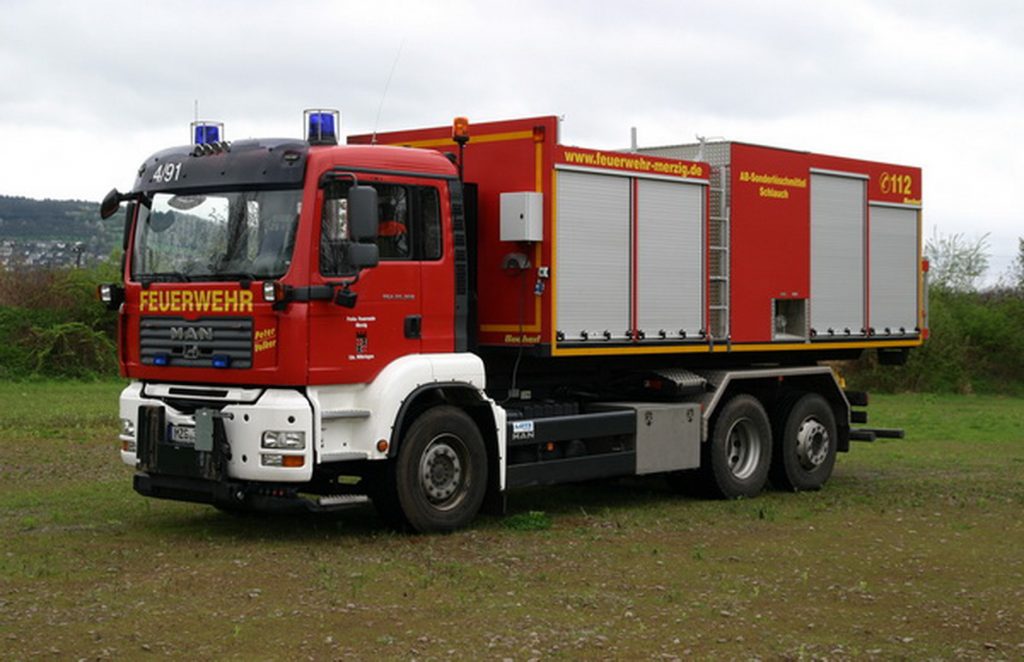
[436, 249]
[352, 345]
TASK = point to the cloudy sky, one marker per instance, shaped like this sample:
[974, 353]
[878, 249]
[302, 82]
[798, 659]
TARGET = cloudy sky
[88, 89]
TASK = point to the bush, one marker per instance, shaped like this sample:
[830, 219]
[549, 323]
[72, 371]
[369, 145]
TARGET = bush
[976, 345]
[52, 325]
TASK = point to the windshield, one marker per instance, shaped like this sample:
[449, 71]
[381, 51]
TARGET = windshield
[216, 236]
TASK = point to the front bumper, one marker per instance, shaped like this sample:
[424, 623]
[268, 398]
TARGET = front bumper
[240, 427]
[238, 495]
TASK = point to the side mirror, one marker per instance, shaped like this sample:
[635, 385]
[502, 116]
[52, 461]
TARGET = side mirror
[111, 203]
[363, 214]
[362, 256]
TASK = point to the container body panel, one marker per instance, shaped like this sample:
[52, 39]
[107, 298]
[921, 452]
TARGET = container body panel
[670, 258]
[593, 258]
[894, 247]
[838, 265]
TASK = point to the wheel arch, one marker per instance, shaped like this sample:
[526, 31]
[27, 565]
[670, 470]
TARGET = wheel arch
[775, 387]
[489, 420]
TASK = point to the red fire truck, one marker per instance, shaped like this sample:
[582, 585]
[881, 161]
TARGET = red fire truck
[429, 318]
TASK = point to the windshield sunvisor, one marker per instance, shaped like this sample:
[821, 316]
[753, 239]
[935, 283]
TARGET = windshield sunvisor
[243, 163]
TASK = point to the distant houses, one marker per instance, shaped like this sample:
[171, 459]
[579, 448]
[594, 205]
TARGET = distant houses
[40, 234]
[34, 254]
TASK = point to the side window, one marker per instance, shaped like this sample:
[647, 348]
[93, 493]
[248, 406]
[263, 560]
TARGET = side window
[430, 217]
[334, 230]
[409, 229]
[394, 229]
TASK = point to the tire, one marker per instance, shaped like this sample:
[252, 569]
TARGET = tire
[736, 459]
[440, 477]
[805, 445]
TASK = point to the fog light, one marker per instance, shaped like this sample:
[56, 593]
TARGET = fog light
[286, 440]
[271, 460]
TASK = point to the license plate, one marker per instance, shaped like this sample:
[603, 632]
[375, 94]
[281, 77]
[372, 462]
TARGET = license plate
[183, 434]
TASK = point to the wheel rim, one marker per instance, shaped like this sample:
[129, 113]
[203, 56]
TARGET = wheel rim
[443, 471]
[744, 449]
[812, 443]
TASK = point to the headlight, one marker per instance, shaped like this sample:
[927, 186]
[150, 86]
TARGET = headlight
[127, 427]
[293, 441]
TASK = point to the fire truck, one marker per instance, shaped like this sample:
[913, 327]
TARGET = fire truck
[429, 318]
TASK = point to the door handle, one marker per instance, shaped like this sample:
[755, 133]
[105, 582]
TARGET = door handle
[413, 326]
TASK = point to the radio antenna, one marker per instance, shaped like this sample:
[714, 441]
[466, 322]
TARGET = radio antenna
[387, 84]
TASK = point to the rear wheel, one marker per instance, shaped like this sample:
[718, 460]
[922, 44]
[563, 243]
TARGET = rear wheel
[736, 458]
[806, 445]
[440, 476]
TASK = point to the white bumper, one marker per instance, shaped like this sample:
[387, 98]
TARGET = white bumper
[244, 425]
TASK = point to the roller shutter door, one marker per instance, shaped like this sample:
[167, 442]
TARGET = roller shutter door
[593, 255]
[893, 258]
[838, 207]
[670, 244]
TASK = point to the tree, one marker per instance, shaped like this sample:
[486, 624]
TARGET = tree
[1015, 274]
[957, 263]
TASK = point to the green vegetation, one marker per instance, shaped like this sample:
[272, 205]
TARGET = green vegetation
[52, 325]
[976, 345]
[912, 551]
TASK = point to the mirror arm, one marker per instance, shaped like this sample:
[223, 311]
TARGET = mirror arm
[336, 174]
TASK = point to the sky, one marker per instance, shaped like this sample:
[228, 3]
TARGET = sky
[89, 89]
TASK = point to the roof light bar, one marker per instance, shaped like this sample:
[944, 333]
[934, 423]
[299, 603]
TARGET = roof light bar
[205, 132]
[321, 126]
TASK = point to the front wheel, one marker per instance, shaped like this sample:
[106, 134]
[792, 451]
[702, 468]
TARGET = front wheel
[737, 456]
[440, 476]
[806, 443]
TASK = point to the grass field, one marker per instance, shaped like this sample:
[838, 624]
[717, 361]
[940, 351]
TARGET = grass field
[914, 550]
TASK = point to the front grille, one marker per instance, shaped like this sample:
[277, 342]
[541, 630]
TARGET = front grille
[177, 342]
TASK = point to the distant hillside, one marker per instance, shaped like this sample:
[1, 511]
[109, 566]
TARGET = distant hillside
[25, 218]
[55, 232]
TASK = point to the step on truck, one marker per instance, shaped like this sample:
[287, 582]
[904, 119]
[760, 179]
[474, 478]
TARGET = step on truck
[430, 318]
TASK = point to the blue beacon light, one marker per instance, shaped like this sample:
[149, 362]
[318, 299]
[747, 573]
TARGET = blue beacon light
[221, 360]
[205, 132]
[322, 126]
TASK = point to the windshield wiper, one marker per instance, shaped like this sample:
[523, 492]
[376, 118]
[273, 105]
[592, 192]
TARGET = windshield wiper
[165, 277]
[241, 276]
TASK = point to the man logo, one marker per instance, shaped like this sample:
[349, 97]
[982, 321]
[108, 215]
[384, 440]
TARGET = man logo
[191, 352]
[522, 430]
[193, 333]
